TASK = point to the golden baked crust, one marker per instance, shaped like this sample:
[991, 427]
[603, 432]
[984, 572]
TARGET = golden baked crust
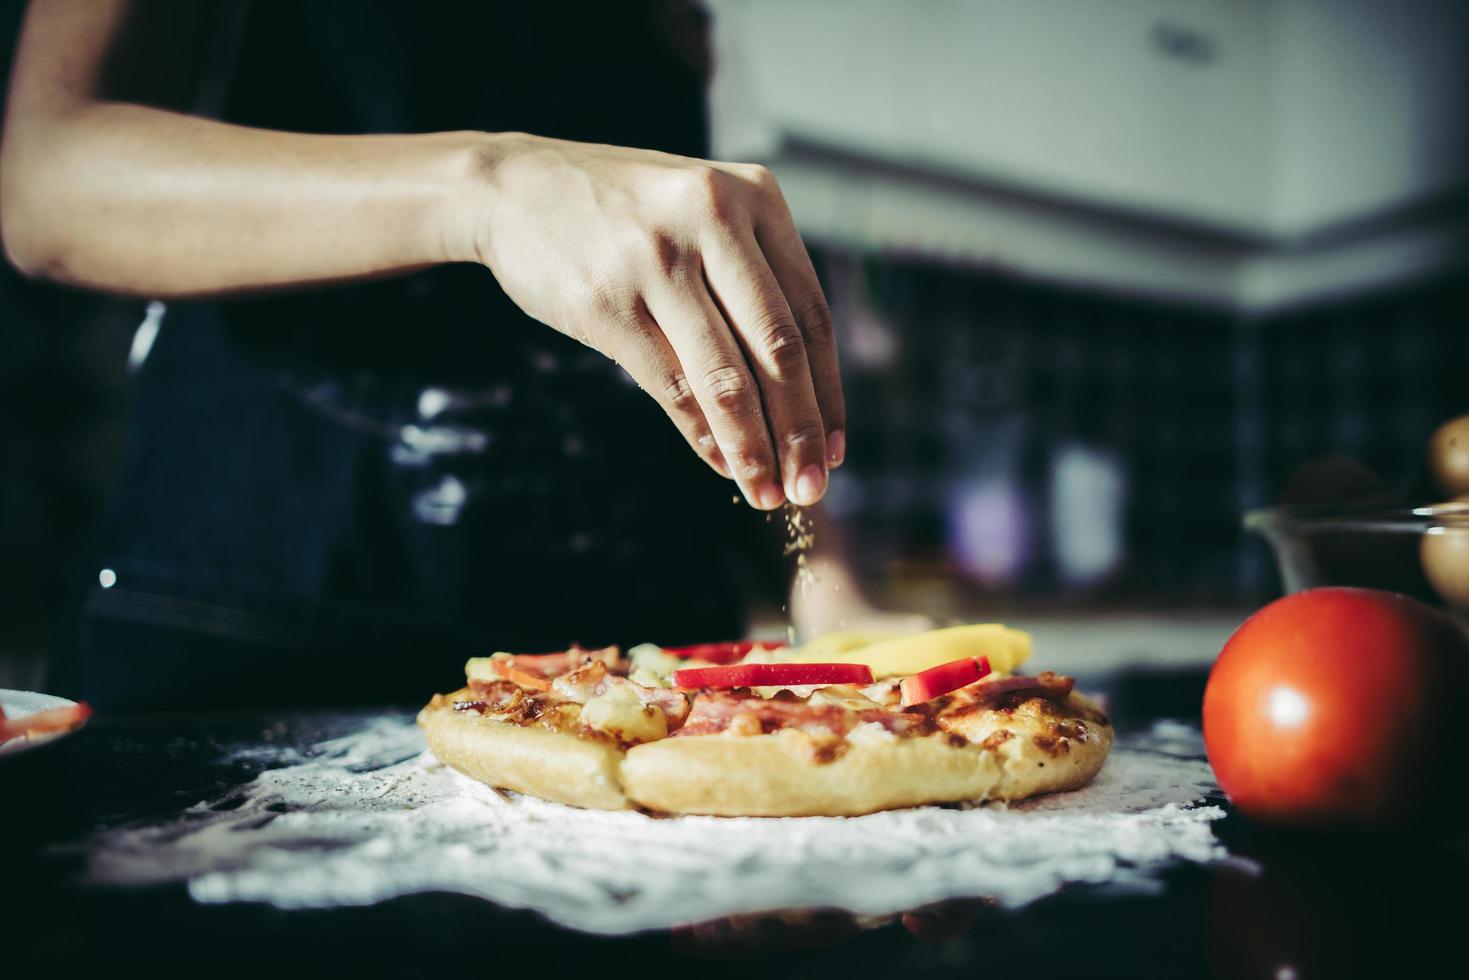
[1020, 747]
[790, 773]
[1042, 746]
[542, 762]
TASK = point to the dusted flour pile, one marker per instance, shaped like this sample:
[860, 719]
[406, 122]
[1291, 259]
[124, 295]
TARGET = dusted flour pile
[372, 816]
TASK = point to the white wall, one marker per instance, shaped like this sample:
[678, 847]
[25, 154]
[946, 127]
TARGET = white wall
[1217, 168]
[1369, 108]
[1052, 95]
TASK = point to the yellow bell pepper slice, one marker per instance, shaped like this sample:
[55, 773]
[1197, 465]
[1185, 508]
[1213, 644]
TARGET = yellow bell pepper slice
[828, 647]
[900, 656]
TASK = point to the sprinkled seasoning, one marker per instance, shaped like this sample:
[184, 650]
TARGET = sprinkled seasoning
[799, 538]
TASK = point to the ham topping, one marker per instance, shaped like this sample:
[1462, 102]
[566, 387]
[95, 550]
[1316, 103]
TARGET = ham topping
[747, 714]
[532, 669]
[575, 677]
[989, 694]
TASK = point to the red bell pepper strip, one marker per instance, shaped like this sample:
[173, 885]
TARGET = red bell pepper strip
[43, 722]
[729, 652]
[929, 684]
[771, 675]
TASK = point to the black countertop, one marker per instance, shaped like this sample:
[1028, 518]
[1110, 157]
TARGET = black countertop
[1310, 907]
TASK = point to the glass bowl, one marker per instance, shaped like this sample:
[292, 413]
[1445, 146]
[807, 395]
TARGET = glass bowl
[1421, 551]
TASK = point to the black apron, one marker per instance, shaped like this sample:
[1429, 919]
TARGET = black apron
[339, 495]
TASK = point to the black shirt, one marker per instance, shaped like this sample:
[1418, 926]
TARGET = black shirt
[624, 73]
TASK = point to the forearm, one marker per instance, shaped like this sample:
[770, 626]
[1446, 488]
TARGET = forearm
[131, 199]
[690, 274]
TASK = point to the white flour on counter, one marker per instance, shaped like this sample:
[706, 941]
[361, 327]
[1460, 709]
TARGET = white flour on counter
[372, 816]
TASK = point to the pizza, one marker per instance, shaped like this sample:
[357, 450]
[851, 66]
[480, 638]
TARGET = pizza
[848, 724]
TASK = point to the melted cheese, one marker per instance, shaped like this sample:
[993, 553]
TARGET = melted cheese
[619, 712]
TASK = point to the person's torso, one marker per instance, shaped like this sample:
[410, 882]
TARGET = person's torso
[626, 73]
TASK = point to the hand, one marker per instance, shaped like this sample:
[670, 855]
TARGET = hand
[691, 276]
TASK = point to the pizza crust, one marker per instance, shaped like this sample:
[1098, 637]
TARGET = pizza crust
[552, 765]
[1037, 759]
[788, 773]
[781, 775]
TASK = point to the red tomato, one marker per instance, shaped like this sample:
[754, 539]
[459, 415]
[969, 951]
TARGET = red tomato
[1340, 707]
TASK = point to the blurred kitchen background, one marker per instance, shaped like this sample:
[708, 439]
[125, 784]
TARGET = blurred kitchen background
[1107, 273]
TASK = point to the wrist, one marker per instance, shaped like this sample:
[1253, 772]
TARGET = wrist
[477, 186]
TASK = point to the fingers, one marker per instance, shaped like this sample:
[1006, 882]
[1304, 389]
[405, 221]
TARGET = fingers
[733, 336]
[645, 354]
[775, 348]
[722, 385]
[791, 265]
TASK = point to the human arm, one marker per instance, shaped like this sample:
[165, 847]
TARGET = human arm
[101, 191]
[688, 273]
